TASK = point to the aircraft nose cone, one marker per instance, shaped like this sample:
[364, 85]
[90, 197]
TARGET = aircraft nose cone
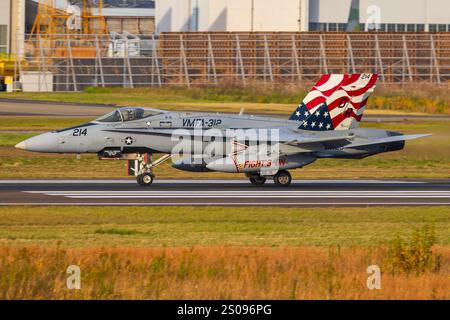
[21, 145]
[46, 142]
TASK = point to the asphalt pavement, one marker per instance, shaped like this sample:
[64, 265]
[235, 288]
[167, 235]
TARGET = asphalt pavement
[301, 193]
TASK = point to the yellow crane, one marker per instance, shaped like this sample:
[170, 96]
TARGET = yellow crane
[53, 27]
[7, 62]
[51, 20]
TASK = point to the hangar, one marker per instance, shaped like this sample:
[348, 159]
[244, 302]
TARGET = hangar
[302, 15]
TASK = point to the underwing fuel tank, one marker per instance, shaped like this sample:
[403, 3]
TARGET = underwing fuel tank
[190, 164]
[247, 163]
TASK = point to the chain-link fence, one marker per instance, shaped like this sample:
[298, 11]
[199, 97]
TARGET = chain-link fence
[71, 63]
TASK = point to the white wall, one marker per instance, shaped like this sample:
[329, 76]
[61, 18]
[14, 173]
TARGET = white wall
[279, 15]
[172, 15]
[333, 11]
[438, 11]
[283, 15]
[238, 14]
[4, 12]
[392, 11]
[231, 15]
[5, 19]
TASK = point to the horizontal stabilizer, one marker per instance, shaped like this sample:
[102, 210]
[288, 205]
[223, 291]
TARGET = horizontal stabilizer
[387, 140]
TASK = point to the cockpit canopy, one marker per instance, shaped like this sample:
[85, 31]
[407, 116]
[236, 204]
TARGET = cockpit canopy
[129, 114]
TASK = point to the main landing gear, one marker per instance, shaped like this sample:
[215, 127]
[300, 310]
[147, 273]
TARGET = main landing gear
[142, 168]
[256, 179]
[282, 178]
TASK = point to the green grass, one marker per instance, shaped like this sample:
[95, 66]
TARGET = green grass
[168, 95]
[11, 139]
[266, 98]
[211, 226]
[39, 123]
[122, 232]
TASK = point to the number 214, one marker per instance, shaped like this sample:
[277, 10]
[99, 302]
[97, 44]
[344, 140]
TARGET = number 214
[79, 132]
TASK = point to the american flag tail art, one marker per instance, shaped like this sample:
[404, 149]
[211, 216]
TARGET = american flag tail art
[336, 102]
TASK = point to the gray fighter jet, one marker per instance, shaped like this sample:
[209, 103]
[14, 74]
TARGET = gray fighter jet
[324, 125]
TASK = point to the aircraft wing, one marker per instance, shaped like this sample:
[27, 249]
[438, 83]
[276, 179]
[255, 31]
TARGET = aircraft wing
[314, 143]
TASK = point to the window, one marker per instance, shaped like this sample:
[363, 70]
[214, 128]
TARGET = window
[129, 114]
[3, 38]
[313, 26]
[332, 27]
[432, 27]
[391, 27]
[111, 117]
[372, 27]
[420, 27]
[442, 28]
[401, 27]
[411, 27]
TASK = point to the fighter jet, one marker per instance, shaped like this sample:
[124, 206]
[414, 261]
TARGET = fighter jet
[323, 125]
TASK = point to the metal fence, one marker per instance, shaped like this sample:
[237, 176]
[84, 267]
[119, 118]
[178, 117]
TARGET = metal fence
[71, 63]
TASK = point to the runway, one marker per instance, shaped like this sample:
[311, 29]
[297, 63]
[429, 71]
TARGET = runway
[302, 193]
[35, 108]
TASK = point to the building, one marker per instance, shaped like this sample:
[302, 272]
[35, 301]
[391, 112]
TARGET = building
[17, 17]
[133, 16]
[302, 15]
[12, 29]
[12, 25]
[382, 15]
[231, 15]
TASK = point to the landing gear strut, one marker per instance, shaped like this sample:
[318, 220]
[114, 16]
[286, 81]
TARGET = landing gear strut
[283, 178]
[142, 168]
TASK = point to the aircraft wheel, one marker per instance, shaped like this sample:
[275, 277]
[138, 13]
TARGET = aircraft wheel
[145, 179]
[282, 178]
[257, 180]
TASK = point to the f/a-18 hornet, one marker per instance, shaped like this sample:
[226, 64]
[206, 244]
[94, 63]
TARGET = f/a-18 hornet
[324, 125]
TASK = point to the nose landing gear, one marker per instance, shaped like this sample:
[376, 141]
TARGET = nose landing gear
[145, 179]
[142, 168]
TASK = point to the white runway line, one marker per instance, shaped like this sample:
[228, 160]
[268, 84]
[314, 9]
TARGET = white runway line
[246, 197]
[247, 192]
[272, 194]
[196, 204]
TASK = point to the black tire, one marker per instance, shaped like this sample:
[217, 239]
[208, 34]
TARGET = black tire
[145, 180]
[257, 180]
[283, 178]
